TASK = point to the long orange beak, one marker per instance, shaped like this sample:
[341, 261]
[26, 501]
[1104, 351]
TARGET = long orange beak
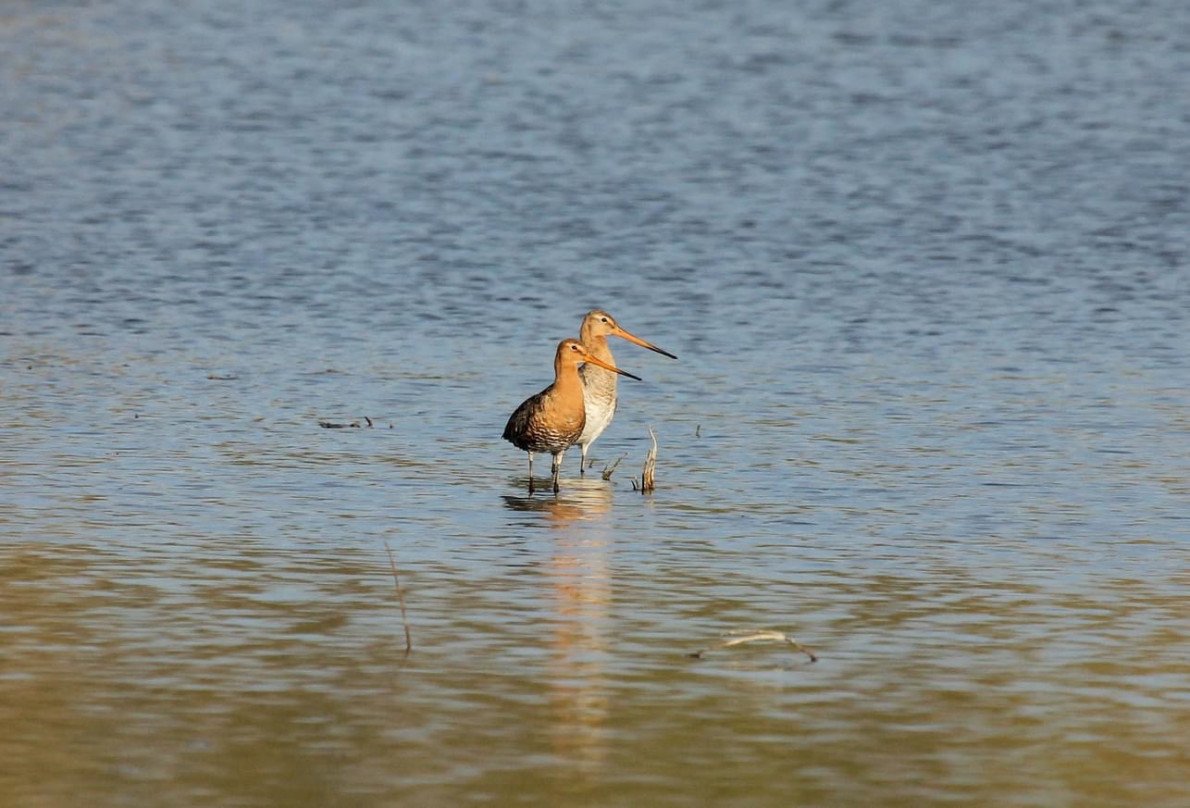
[613, 368]
[635, 340]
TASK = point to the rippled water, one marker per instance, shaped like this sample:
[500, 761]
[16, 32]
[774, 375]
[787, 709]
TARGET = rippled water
[926, 269]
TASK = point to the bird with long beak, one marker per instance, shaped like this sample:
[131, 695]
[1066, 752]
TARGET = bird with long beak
[599, 385]
[553, 420]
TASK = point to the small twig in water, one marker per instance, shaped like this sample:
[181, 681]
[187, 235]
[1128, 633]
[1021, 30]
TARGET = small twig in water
[608, 471]
[369, 420]
[400, 598]
[698, 431]
[647, 482]
[740, 638]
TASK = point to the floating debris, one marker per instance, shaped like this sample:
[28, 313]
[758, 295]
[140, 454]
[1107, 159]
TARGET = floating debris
[698, 431]
[744, 637]
[352, 425]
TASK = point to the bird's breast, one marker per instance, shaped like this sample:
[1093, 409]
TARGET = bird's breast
[546, 423]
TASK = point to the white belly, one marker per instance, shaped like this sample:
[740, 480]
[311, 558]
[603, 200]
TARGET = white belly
[599, 411]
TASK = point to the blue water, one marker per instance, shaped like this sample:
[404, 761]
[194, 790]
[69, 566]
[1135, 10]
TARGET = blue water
[926, 268]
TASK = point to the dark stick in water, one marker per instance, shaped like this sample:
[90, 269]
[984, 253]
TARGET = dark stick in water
[608, 471]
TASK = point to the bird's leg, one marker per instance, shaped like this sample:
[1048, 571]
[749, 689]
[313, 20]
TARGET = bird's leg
[555, 468]
[582, 465]
[530, 474]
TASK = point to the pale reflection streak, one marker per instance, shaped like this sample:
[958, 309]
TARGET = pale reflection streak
[580, 600]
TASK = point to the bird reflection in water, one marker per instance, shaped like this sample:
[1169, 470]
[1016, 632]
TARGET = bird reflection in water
[579, 596]
[583, 498]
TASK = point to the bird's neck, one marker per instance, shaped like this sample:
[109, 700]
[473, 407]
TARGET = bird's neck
[599, 349]
[597, 380]
[566, 378]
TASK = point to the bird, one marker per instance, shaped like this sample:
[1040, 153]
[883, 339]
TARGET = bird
[552, 420]
[599, 386]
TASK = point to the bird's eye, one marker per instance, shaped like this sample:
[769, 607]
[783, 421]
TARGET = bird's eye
[603, 319]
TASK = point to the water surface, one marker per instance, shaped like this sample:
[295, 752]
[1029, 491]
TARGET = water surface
[927, 275]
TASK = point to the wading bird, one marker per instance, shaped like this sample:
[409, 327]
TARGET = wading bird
[552, 420]
[599, 386]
